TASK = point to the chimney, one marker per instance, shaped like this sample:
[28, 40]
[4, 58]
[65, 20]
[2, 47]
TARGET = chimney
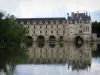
[72, 14]
[68, 14]
[77, 13]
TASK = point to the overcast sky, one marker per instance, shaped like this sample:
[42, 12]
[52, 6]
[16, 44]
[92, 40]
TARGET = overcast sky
[50, 8]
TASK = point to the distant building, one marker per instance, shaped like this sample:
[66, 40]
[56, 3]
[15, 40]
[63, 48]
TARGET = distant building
[78, 24]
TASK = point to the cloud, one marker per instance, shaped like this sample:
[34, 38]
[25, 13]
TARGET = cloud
[48, 8]
[56, 69]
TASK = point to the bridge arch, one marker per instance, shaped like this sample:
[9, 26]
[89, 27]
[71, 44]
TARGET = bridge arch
[29, 37]
[29, 41]
[40, 38]
[52, 38]
[40, 45]
[78, 41]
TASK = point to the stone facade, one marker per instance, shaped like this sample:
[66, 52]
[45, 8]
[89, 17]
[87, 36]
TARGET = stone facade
[78, 24]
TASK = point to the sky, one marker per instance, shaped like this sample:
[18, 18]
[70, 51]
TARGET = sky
[51, 69]
[50, 8]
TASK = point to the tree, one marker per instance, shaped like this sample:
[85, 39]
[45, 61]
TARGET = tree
[12, 41]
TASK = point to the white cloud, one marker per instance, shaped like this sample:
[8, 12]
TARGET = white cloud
[47, 8]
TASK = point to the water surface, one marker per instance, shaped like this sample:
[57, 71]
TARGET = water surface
[56, 59]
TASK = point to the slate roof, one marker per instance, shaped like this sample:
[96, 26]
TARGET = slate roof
[37, 20]
[73, 18]
[80, 17]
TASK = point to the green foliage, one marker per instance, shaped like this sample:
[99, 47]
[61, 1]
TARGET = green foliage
[96, 27]
[11, 34]
[12, 42]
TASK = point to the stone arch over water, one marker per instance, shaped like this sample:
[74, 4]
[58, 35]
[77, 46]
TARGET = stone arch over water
[40, 38]
[78, 41]
[29, 37]
[52, 38]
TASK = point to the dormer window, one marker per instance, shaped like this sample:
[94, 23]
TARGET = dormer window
[22, 22]
[57, 22]
[46, 22]
[40, 22]
[34, 22]
[28, 22]
[51, 22]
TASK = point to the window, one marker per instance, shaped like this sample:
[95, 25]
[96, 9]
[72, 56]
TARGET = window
[61, 38]
[57, 26]
[57, 22]
[52, 32]
[46, 27]
[34, 22]
[34, 32]
[46, 32]
[80, 31]
[28, 32]
[63, 26]
[22, 22]
[51, 26]
[28, 22]
[80, 26]
[40, 32]
[88, 29]
[28, 27]
[40, 27]
[57, 32]
[63, 32]
[34, 27]
[46, 22]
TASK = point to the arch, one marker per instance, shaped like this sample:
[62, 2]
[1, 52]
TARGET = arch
[41, 38]
[29, 41]
[61, 38]
[29, 37]
[52, 38]
[40, 45]
[52, 45]
[78, 41]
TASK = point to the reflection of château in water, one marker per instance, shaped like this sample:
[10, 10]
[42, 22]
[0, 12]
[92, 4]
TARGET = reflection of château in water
[61, 53]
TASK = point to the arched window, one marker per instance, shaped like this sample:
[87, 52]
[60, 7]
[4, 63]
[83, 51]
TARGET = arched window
[51, 26]
[46, 27]
[34, 22]
[34, 27]
[40, 27]
[57, 22]
[46, 22]
[57, 32]
[46, 32]
[28, 22]
[34, 32]
[80, 26]
[52, 32]
[28, 27]
[63, 32]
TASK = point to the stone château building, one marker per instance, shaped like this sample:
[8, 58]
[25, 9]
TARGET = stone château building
[76, 25]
